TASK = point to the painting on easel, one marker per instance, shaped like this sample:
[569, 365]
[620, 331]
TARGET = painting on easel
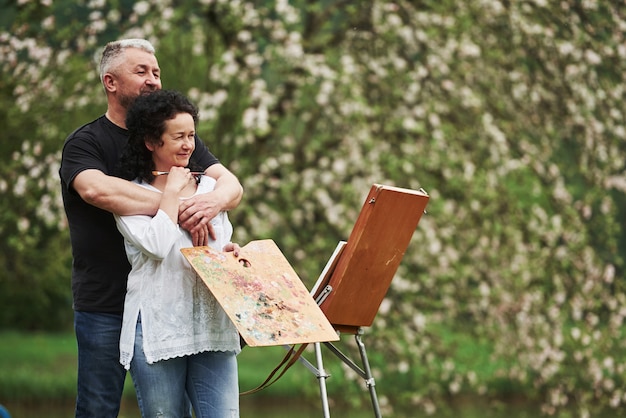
[262, 295]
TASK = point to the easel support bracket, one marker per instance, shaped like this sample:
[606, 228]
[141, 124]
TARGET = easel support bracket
[348, 361]
[365, 373]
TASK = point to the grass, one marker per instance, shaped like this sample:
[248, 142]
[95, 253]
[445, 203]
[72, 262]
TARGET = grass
[39, 372]
[37, 366]
[42, 366]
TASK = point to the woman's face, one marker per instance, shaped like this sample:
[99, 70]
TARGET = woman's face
[178, 143]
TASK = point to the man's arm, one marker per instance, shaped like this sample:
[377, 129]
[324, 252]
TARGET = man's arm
[199, 210]
[227, 186]
[114, 194]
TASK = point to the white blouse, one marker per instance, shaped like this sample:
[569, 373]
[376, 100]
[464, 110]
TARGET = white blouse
[179, 315]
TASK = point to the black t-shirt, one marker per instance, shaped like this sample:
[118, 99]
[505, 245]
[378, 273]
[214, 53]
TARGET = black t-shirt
[100, 267]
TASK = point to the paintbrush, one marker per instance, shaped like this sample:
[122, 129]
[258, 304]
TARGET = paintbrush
[164, 173]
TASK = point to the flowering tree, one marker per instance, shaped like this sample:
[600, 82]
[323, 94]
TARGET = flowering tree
[509, 113]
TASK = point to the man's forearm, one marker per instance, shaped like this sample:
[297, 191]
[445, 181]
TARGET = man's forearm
[115, 195]
[228, 187]
[231, 190]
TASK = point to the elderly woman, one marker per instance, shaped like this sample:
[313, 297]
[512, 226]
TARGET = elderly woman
[176, 339]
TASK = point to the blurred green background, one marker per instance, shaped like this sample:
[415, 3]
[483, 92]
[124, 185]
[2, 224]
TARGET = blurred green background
[509, 113]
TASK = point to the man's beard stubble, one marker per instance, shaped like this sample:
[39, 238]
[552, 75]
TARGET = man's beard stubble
[126, 100]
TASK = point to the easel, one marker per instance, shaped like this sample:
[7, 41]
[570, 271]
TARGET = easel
[270, 305]
[357, 276]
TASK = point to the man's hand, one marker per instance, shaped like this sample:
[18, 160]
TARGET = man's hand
[194, 214]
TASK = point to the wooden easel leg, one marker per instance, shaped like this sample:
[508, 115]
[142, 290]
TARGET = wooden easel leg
[369, 379]
[321, 377]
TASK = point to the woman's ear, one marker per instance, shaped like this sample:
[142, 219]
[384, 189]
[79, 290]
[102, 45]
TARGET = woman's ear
[149, 146]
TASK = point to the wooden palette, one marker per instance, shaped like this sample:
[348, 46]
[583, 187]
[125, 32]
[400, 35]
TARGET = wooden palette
[262, 295]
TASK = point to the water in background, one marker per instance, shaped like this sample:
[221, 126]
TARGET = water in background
[268, 407]
[260, 407]
[250, 408]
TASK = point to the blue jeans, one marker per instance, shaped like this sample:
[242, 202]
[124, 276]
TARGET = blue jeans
[100, 374]
[209, 379]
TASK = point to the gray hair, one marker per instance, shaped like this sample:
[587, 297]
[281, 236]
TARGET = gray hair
[114, 50]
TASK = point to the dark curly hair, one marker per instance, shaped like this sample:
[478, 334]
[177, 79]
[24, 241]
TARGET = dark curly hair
[145, 121]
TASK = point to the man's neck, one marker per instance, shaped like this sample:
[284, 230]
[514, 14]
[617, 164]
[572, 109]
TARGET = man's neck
[118, 117]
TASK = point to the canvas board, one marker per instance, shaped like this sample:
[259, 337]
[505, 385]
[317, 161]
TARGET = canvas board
[262, 295]
[364, 267]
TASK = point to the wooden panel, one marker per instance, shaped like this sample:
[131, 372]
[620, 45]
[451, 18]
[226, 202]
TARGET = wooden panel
[371, 256]
[262, 294]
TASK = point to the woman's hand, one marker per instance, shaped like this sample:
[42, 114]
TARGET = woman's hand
[200, 236]
[177, 179]
[232, 247]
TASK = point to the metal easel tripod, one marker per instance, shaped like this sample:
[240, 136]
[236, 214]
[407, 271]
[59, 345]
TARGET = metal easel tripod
[357, 276]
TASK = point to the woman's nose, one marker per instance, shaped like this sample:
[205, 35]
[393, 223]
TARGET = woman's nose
[188, 142]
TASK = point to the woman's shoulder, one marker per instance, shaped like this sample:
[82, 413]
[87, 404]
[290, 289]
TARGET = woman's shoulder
[144, 184]
[207, 184]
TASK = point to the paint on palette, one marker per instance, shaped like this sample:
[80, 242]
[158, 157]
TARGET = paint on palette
[262, 294]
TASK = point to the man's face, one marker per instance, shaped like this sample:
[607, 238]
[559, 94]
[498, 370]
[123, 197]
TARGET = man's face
[139, 73]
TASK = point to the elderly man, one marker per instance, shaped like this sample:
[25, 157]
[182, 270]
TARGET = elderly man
[91, 194]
